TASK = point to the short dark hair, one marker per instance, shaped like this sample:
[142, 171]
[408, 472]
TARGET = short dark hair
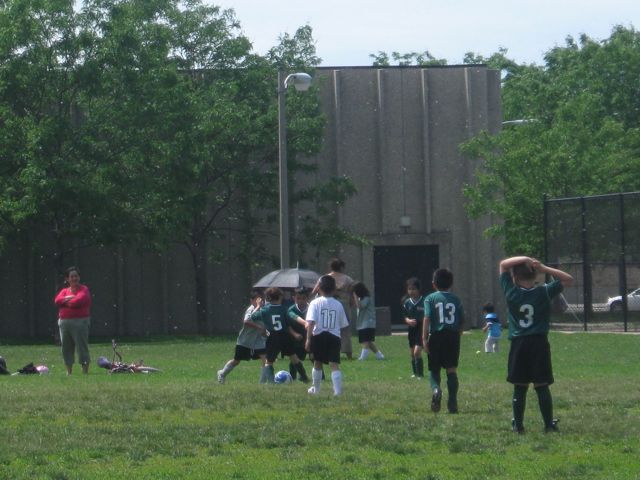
[488, 307]
[522, 271]
[361, 290]
[327, 284]
[302, 291]
[415, 283]
[336, 264]
[443, 279]
[273, 294]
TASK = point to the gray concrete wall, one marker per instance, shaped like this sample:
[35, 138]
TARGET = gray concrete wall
[394, 131]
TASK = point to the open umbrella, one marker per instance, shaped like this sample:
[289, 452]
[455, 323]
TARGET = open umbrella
[288, 278]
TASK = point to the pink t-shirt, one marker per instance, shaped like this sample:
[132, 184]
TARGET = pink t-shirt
[77, 307]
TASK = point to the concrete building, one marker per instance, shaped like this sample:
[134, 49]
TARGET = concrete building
[396, 132]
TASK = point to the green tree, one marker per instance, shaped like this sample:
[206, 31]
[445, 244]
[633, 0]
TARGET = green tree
[578, 135]
[382, 59]
[53, 190]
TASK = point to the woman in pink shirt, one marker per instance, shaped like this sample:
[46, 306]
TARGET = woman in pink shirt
[74, 303]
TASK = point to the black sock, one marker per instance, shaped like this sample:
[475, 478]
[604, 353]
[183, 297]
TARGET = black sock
[452, 386]
[303, 372]
[546, 404]
[293, 370]
[519, 404]
[420, 366]
[414, 366]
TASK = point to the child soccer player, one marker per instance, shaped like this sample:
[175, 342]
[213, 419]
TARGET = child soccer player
[325, 317]
[365, 321]
[251, 339]
[275, 318]
[492, 327]
[413, 308]
[297, 313]
[441, 331]
[529, 307]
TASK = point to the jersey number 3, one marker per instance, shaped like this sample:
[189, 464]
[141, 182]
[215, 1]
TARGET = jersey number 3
[527, 311]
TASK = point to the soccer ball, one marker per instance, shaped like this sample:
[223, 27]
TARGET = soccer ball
[42, 369]
[282, 377]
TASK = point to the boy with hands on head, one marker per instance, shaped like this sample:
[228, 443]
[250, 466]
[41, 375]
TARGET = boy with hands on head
[529, 309]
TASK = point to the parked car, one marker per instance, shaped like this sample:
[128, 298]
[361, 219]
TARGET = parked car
[633, 302]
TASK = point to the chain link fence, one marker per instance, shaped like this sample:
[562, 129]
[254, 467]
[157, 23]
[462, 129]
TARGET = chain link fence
[597, 240]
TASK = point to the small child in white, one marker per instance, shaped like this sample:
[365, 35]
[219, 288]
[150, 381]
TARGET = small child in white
[492, 327]
[251, 343]
[325, 317]
[365, 321]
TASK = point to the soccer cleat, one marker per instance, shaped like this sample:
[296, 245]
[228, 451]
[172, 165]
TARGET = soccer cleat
[552, 427]
[453, 408]
[220, 376]
[436, 400]
[312, 391]
[515, 428]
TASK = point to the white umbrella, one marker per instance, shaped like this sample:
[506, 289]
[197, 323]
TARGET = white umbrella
[288, 278]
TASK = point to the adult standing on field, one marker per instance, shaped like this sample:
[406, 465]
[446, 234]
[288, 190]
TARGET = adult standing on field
[74, 304]
[343, 293]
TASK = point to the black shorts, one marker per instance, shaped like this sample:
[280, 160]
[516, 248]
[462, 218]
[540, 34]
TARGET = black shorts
[444, 350]
[298, 348]
[326, 348]
[366, 335]
[415, 336]
[530, 360]
[279, 342]
[246, 353]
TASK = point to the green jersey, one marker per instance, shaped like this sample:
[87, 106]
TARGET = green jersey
[273, 316]
[529, 308]
[295, 312]
[445, 312]
[414, 309]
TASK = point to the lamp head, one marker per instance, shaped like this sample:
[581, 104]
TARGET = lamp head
[301, 81]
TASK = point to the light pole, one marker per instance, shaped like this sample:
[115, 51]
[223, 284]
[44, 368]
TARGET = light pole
[301, 82]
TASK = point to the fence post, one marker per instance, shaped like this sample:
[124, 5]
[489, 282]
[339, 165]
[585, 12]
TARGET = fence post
[623, 265]
[586, 267]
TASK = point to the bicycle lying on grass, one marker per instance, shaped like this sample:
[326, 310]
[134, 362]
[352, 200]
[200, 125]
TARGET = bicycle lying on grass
[119, 366]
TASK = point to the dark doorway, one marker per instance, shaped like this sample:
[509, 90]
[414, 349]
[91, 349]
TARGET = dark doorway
[392, 266]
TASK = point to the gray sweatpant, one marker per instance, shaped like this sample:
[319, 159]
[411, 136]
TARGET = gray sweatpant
[74, 335]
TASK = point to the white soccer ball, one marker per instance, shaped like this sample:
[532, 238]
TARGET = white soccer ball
[282, 377]
[42, 369]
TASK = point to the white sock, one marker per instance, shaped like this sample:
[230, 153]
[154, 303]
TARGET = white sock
[364, 354]
[227, 368]
[336, 378]
[316, 378]
[379, 355]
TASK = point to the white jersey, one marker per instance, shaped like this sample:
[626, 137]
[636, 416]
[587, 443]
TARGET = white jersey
[327, 315]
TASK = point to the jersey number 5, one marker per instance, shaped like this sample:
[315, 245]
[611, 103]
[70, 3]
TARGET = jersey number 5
[277, 323]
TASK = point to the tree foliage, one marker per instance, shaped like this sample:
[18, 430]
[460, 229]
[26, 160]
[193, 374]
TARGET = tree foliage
[147, 124]
[580, 135]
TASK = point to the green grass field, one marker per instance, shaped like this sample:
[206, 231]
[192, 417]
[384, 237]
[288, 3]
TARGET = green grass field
[183, 424]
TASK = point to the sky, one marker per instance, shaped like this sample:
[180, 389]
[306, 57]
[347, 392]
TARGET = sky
[348, 31]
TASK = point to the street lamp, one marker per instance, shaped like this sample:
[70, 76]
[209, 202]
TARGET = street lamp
[301, 82]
